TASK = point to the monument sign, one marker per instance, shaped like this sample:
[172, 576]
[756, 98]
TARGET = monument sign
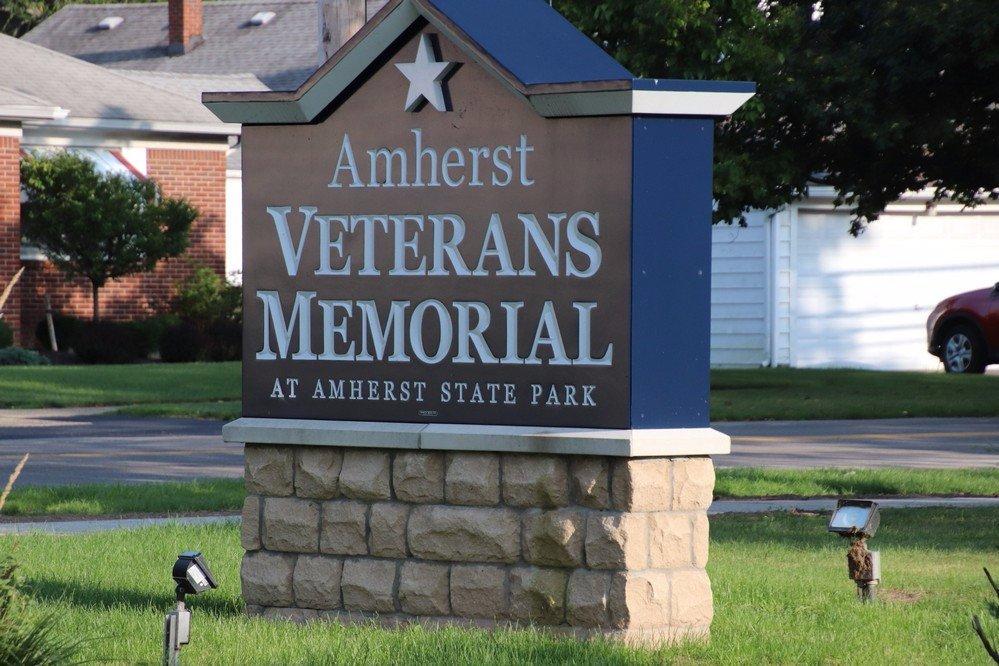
[471, 229]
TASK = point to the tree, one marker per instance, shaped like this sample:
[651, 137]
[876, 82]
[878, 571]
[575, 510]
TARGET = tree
[874, 98]
[99, 226]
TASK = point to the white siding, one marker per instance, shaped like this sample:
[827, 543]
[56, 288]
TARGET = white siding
[863, 302]
[739, 288]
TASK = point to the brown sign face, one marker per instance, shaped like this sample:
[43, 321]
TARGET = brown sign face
[434, 251]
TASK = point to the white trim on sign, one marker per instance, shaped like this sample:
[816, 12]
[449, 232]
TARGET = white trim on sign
[686, 103]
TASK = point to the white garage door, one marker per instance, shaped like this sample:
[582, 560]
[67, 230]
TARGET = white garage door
[863, 302]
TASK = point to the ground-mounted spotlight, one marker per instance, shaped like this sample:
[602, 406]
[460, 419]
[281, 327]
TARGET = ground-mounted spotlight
[858, 520]
[192, 575]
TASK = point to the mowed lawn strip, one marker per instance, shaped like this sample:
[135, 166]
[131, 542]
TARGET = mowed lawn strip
[221, 495]
[751, 482]
[792, 394]
[782, 596]
[120, 499]
[212, 390]
[92, 385]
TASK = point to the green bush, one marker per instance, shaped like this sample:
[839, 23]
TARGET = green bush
[28, 638]
[67, 330]
[213, 310]
[18, 356]
[205, 297]
[182, 343]
[152, 329]
[6, 335]
[110, 342]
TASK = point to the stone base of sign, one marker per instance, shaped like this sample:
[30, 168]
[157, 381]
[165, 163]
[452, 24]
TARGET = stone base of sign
[584, 545]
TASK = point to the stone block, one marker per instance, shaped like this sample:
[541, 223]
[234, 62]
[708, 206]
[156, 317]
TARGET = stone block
[639, 599]
[472, 479]
[700, 535]
[691, 598]
[423, 588]
[693, 483]
[269, 470]
[554, 538]
[464, 534]
[387, 529]
[418, 477]
[616, 541]
[317, 472]
[586, 602]
[478, 590]
[291, 525]
[670, 540]
[317, 582]
[296, 615]
[344, 528]
[365, 475]
[589, 482]
[535, 481]
[537, 595]
[267, 578]
[367, 585]
[641, 484]
[250, 527]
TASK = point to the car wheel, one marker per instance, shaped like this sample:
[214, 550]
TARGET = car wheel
[963, 351]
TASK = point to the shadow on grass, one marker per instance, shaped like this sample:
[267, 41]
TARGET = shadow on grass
[938, 529]
[86, 595]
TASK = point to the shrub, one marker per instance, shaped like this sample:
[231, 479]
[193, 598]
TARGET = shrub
[204, 298]
[110, 342]
[153, 329]
[6, 335]
[224, 341]
[67, 330]
[28, 638]
[182, 343]
[18, 356]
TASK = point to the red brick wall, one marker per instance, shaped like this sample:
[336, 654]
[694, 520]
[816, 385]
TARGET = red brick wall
[185, 20]
[195, 175]
[10, 226]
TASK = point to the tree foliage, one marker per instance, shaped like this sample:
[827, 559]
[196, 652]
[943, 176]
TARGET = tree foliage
[99, 226]
[874, 98]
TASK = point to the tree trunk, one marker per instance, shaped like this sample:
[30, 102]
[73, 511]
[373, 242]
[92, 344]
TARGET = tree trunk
[97, 307]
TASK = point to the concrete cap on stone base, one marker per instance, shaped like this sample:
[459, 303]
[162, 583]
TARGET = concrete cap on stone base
[628, 443]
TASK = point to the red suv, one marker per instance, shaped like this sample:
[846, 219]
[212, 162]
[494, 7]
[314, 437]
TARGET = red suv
[963, 330]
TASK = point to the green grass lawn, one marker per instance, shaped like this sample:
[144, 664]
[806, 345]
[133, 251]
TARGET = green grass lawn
[761, 482]
[787, 394]
[781, 597]
[85, 385]
[212, 390]
[228, 494]
[120, 499]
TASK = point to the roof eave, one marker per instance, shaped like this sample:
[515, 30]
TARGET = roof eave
[208, 128]
[32, 112]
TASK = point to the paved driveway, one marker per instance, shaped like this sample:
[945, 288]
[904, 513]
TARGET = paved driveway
[965, 442]
[91, 446]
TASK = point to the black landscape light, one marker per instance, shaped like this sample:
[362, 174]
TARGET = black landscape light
[858, 520]
[192, 575]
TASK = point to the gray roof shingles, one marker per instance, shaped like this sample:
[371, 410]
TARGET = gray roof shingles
[281, 53]
[89, 91]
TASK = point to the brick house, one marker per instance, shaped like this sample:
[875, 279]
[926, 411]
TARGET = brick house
[144, 126]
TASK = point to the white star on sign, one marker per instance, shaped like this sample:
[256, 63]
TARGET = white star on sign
[425, 75]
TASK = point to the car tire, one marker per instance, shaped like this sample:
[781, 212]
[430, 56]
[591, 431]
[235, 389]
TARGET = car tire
[962, 351]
